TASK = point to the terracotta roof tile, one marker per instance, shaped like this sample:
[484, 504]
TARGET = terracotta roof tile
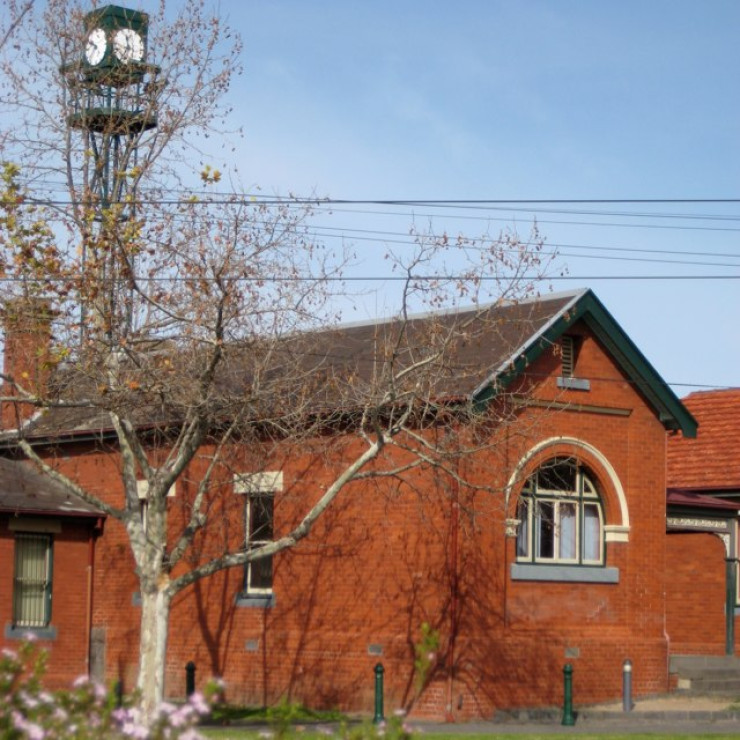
[712, 460]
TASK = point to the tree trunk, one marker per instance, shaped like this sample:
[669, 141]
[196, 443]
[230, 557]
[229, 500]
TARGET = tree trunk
[155, 616]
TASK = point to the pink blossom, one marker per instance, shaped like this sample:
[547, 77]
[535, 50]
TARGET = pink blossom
[135, 730]
[166, 708]
[30, 701]
[198, 702]
[31, 730]
[191, 734]
[182, 715]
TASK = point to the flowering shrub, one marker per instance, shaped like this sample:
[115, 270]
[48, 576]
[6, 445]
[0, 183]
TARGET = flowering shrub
[83, 712]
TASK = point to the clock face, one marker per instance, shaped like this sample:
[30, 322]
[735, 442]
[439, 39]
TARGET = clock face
[96, 46]
[128, 46]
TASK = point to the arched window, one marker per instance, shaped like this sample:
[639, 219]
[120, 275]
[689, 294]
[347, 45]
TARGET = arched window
[561, 519]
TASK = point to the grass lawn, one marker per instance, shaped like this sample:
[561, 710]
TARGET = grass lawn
[236, 734]
[245, 734]
[294, 722]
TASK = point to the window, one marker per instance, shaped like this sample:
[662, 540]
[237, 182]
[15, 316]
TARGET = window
[142, 491]
[259, 517]
[561, 517]
[259, 499]
[32, 580]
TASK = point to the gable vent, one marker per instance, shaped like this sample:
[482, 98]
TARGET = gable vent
[568, 356]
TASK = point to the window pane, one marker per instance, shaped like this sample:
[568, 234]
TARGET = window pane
[545, 530]
[588, 487]
[260, 574]
[32, 586]
[568, 521]
[260, 519]
[260, 530]
[557, 476]
[522, 535]
[565, 520]
[591, 532]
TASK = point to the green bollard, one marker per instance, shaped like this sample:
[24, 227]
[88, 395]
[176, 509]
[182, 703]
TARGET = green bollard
[189, 679]
[378, 718]
[568, 717]
[118, 693]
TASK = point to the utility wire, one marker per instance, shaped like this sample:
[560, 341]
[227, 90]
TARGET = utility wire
[450, 277]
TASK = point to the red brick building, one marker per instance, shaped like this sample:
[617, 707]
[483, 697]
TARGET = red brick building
[47, 558]
[702, 542]
[546, 547]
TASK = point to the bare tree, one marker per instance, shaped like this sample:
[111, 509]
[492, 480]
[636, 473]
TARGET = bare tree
[209, 324]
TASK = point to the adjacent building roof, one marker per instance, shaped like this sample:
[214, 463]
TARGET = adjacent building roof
[696, 500]
[25, 491]
[711, 462]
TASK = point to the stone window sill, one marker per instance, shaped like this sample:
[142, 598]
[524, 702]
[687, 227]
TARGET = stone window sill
[39, 633]
[563, 573]
[256, 601]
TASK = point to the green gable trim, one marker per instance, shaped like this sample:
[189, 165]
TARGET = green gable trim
[670, 411]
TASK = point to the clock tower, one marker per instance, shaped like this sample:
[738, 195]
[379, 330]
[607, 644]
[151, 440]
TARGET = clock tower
[116, 41]
[111, 94]
[112, 98]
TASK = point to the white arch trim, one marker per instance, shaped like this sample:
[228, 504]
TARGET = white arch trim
[612, 532]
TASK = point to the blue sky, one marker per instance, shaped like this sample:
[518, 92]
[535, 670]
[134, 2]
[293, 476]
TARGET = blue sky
[520, 99]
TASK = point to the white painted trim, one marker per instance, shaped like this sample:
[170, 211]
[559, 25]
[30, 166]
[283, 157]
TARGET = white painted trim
[142, 490]
[267, 482]
[624, 527]
[616, 533]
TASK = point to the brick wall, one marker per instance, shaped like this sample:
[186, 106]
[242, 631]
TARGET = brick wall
[695, 585]
[391, 555]
[69, 603]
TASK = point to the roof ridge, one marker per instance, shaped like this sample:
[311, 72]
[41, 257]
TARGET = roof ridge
[422, 315]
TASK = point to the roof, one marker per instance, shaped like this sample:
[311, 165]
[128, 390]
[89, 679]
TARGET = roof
[693, 500]
[585, 306]
[712, 460]
[23, 490]
[487, 347]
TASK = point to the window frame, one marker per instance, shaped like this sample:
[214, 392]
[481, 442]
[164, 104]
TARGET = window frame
[251, 543]
[21, 620]
[257, 487]
[583, 496]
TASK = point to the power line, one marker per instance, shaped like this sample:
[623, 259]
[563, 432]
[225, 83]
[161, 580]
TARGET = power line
[451, 277]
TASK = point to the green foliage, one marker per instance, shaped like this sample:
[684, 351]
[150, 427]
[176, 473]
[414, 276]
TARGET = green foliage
[425, 655]
[28, 252]
[394, 728]
[282, 717]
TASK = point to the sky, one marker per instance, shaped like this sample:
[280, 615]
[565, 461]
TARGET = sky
[538, 107]
[520, 100]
